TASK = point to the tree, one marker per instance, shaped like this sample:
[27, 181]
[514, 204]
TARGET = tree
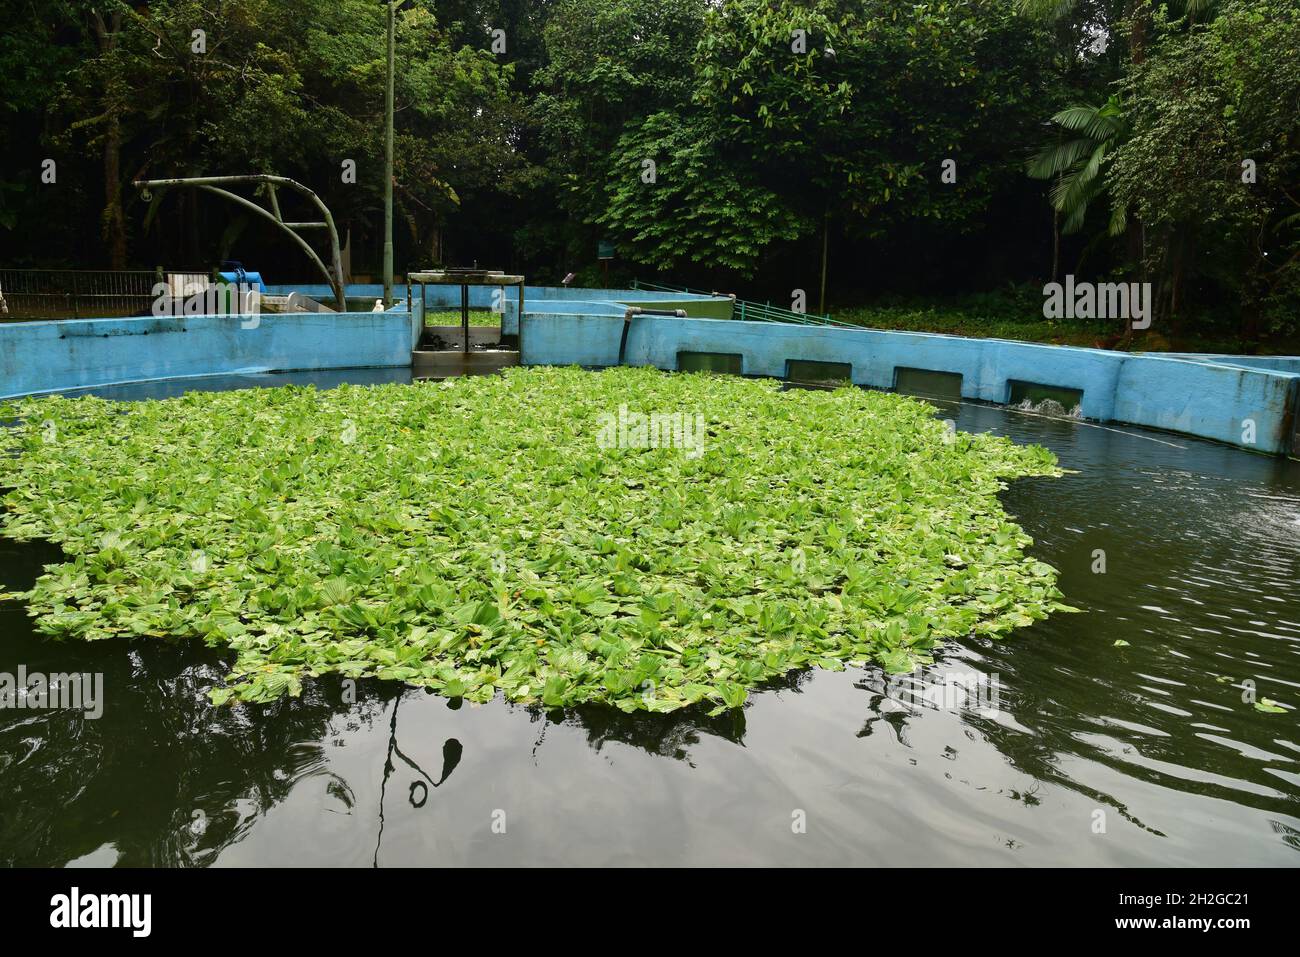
[677, 196]
[33, 56]
[610, 65]
[1212, 166]
[851, 113]
[181, 87]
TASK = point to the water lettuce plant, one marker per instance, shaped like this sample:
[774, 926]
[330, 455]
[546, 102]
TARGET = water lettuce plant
[451, 317]
[486, 535]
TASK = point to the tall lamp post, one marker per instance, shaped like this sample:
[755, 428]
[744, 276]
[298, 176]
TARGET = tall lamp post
[388, 160]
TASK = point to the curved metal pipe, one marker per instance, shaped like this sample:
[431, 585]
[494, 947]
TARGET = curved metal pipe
[211, 183]
[306, 247]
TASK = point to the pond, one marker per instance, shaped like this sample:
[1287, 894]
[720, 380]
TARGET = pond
[1115, 737]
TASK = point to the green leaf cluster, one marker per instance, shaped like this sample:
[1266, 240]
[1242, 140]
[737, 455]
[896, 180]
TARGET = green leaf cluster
[475, 538]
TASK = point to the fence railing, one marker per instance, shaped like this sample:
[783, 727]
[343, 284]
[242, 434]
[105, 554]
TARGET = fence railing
[747, 309]
[75, 293]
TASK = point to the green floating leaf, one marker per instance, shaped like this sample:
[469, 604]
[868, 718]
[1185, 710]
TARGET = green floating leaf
[630, 538]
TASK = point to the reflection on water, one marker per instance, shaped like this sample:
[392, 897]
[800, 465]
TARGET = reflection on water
[1119, 736]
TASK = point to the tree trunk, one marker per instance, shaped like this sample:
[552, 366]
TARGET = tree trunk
[113, 219]
[1134, 244]
[1056, 245]
[826, 226]
[192, 227]
[1182, 252]
[1139, 17]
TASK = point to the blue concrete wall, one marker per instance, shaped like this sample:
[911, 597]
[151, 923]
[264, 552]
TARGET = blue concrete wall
[72, 354]
[1209, 400]
[1195, 397]
[1215, 397]
[510, 319]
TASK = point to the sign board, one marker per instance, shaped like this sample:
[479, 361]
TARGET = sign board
[604, 249]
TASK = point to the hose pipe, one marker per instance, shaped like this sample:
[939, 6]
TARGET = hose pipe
[633, 311]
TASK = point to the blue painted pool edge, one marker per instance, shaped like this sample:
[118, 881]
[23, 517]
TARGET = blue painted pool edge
[37, 357]
[1199, 397]
[1214, 397]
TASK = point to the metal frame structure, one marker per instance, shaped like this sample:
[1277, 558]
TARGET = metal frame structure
[213, 184]
[466, 278]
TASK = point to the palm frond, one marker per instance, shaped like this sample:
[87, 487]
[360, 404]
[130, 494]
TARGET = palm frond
[1077, 162]
[1118, 220]
[1074, 221]
[1077, 187]
[1092, 122]
[1286, 221]
[1057, 158]
[1077, 210]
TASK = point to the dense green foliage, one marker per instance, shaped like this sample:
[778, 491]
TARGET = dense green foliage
[451, 317]
[896, 147]
[1215, 119]
[404, 532]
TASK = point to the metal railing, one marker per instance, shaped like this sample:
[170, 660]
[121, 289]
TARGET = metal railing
[747, 309]
[75, 293]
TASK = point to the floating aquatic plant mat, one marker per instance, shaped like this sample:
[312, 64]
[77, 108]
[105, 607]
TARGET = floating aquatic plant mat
[451, 318]
[523, 534]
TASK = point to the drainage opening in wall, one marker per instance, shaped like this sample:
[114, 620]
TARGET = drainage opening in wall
[927, 382]
[729, 362]
[814, 372]
[1049, 399]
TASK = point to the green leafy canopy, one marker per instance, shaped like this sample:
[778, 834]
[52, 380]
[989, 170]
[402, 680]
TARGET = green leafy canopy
[474, 537]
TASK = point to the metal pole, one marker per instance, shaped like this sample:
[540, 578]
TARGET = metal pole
[519, 337]
[388, 161]
[464, 314]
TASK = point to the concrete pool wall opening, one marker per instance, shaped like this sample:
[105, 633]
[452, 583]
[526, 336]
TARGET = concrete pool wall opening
[816, 370]
[1020, 392]
[729, 363]
[1246, 401]
[927, 382]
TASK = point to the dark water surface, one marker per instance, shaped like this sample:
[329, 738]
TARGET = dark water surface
[1092, 754]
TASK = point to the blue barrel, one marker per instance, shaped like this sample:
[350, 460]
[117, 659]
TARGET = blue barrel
[253, 279]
